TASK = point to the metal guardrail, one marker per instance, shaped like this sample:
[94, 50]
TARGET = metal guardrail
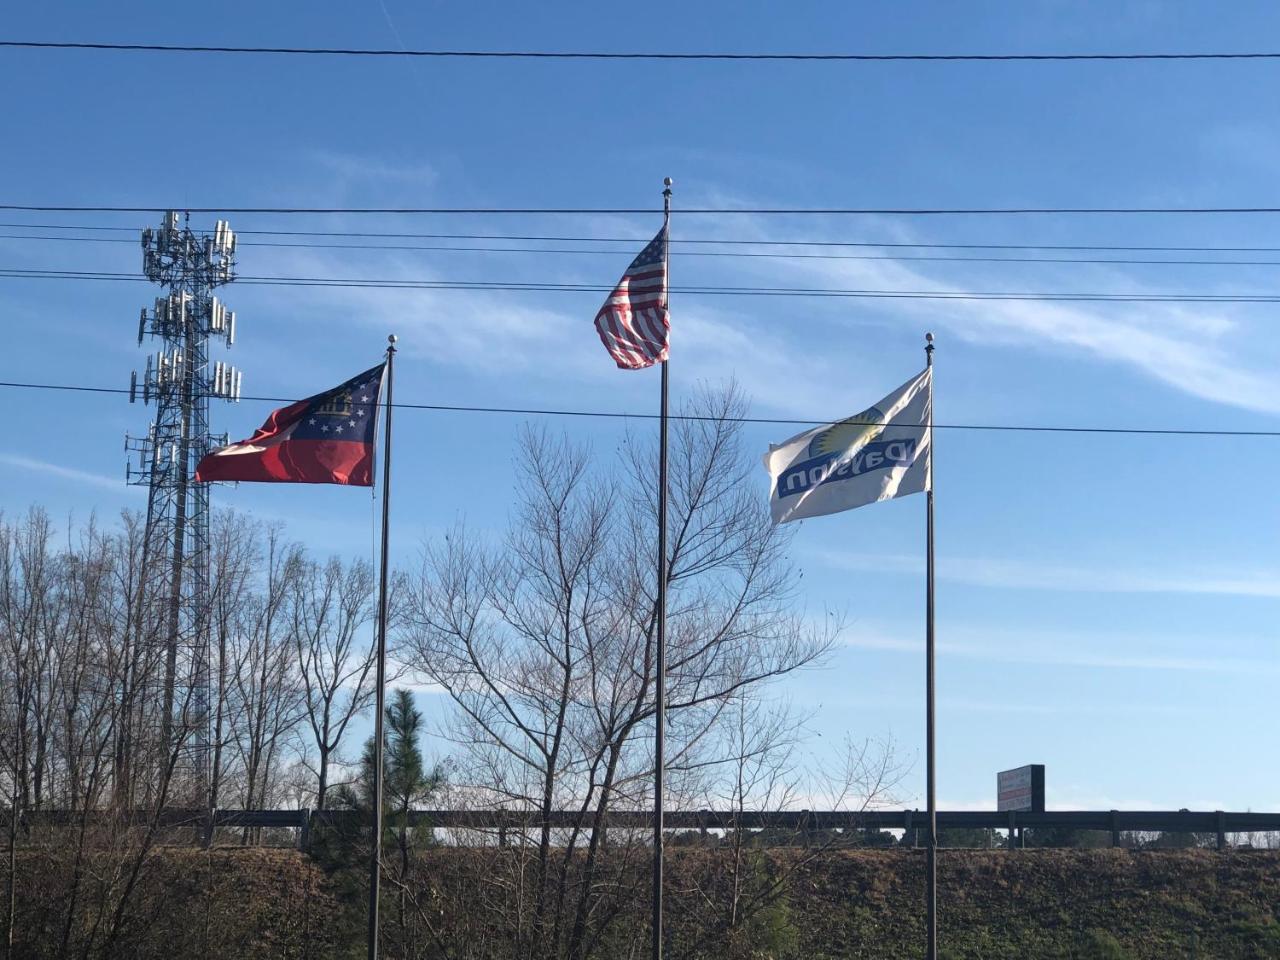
[804, 823]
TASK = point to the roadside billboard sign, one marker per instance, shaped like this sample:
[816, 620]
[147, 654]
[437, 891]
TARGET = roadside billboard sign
[1021, 788]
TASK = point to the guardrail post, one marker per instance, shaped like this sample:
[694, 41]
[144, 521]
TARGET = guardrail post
[1222, 829]
[502, 836]
[1011, 843]
[304, 829]
[908, 830]
[1115, 828]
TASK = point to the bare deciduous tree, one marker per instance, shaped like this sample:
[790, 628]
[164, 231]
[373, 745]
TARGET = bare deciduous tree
[234, 557]
[332, 606]
[68, 659]
[268, 698]
[763, 767]
[546, 646]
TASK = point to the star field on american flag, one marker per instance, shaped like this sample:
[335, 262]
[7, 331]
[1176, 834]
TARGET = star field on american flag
[634, 324]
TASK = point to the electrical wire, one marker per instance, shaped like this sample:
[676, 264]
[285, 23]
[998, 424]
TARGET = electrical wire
[529, 286]
[778, 421]
[611, 55]
[730, 254]
[677, 242]
[603, 211]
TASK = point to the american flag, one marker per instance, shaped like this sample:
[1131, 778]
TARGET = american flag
[633, 323]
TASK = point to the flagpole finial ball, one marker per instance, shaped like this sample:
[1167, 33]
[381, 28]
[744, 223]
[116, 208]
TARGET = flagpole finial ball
[928, 338]
[667, 181]
[393, 338]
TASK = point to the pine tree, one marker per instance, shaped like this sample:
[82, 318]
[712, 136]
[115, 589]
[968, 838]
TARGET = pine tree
[406, 784]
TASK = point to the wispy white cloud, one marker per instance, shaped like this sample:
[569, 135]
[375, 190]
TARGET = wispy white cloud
[721, 345]
[1202, 349]
[115, 484]
[1186, 349]
[948, 803]
[1073, 708]
[1063, 649]
[1072, 797]
[483, 332]
[419, 686]
[1206, 350]
[1029, 574]
[1023, 707]
[351, 169]
[477, 330]
[531, 335]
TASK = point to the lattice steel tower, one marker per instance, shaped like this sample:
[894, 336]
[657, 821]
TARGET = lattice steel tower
[172, 688]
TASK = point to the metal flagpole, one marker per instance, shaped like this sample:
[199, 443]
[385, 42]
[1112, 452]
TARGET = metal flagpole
[932, 850]
[375, 859]
[660, 691]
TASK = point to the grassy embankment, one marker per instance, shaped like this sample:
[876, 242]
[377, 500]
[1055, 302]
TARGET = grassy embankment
[255, 903]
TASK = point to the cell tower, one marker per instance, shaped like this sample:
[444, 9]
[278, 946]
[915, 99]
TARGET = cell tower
[174, 602]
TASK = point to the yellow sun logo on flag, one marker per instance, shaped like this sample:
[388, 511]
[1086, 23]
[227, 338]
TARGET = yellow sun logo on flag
[849, 434]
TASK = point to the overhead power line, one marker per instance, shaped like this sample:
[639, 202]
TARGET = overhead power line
[622, 415]
[637, 55]
[611, 211]
[529, 286]
[677, 241]
[729, 254]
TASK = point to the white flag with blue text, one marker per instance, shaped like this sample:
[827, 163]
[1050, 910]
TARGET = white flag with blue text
[879, 454]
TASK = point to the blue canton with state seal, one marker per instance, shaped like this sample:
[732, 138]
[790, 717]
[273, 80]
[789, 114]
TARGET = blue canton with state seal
[878, 454]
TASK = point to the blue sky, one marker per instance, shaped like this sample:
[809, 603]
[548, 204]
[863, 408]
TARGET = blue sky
[1107, 603]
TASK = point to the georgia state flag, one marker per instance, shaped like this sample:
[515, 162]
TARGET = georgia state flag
[328, 438]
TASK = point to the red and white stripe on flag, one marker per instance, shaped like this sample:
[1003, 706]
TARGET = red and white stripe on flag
[633, 324]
